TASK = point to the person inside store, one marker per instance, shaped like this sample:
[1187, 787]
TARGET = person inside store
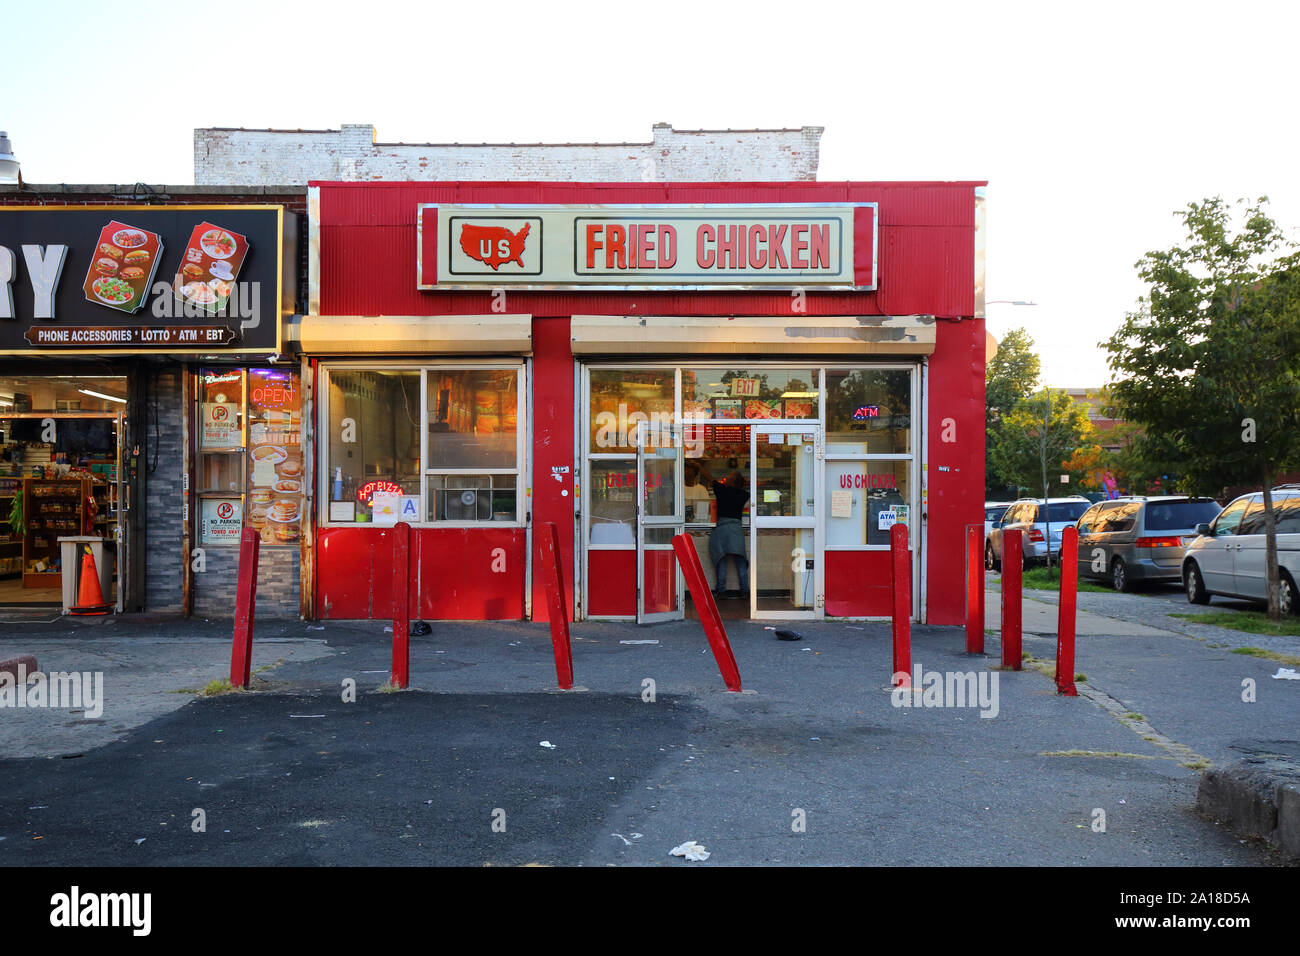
[728, 537]
[697, 495]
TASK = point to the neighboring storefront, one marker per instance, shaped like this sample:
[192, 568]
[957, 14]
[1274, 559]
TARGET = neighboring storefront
[146, 400]
[494, 357]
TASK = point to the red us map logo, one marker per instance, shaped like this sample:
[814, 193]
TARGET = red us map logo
[491, 242]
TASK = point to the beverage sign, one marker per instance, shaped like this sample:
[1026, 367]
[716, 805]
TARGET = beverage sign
[640, 247]
[123, 267]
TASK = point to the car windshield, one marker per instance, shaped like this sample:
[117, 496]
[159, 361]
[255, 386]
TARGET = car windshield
[1063, 511]
[1179, 515]
[993, 514]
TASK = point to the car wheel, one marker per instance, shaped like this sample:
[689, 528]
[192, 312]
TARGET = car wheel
[990, 562]
[1195, 587]
[1287, 599]
[1119, 579]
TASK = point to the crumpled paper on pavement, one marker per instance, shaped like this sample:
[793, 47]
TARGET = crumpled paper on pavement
[691, 850]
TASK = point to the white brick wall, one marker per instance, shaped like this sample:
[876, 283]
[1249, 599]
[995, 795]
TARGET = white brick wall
[239, 157]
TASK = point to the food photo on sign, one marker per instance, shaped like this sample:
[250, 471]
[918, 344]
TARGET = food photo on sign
[122, 268]
[210, 266]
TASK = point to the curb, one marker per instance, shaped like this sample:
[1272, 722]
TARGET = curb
[26, 661]
[1258, 796]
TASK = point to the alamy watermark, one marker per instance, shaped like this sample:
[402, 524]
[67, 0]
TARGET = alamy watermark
[947, 689]
[55, 690]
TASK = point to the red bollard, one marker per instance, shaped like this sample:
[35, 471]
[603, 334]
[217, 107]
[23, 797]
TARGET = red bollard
[1012, 555]
[550, 545]
[241, 654]
[1065, 613]
[975, 589]
[401, 604]
[708, 610]
[900, 563]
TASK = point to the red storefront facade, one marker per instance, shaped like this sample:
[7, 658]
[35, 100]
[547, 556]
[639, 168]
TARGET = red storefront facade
[470, 388]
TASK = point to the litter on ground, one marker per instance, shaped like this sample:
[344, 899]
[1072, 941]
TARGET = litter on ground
[691, 851]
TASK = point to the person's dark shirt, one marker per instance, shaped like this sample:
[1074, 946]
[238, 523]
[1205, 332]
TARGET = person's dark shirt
[731, 501]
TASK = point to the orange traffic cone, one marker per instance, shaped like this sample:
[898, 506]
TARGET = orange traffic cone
[90, 598]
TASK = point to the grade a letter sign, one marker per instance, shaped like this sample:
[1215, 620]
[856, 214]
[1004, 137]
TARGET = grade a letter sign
[717, 246]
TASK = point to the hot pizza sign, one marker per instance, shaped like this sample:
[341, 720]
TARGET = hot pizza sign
[643, 247]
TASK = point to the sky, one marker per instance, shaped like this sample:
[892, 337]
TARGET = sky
[1092, 123]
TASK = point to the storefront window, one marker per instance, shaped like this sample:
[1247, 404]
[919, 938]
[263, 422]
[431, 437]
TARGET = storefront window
[470, 422]
[275, 464]
[621, 399]
[864, 499]
[473, 418]
[374, 439]
[250, 464]
[472, 498]
[749, 393]
[613, 502]
[869, 411]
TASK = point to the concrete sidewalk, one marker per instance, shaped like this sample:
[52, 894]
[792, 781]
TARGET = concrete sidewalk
[1040, 617]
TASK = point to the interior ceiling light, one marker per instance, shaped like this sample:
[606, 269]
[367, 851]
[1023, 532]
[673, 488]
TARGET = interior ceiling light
[110, 398]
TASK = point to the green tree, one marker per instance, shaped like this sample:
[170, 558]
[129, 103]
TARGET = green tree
[1209, 364]
[1018, 449]
[1011, 375]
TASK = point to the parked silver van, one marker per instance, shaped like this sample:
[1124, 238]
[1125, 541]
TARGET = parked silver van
[1135, 540]
[1228, 557]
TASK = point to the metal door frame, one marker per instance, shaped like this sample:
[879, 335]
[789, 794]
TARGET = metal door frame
[677, 521]
[811, 523]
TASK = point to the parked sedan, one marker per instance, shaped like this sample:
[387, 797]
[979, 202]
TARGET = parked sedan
[1228, 557]
[1132, 540]
[1031, 517]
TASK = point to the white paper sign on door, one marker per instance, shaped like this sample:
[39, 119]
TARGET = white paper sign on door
[886, 520]
[841, 504]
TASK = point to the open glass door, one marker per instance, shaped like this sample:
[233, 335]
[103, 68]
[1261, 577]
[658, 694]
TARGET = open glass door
[785, 581]
[660, 516]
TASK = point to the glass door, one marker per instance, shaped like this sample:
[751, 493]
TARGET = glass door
[660, 516]
[785, 580]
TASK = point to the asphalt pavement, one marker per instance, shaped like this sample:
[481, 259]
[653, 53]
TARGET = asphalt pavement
[813, 764]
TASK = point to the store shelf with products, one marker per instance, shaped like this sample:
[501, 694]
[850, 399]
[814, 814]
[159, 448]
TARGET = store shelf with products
[52, 508]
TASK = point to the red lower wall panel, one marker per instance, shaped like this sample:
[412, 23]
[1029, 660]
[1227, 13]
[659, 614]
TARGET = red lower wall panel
[461, 574]
[611, 583]
[857, 584]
